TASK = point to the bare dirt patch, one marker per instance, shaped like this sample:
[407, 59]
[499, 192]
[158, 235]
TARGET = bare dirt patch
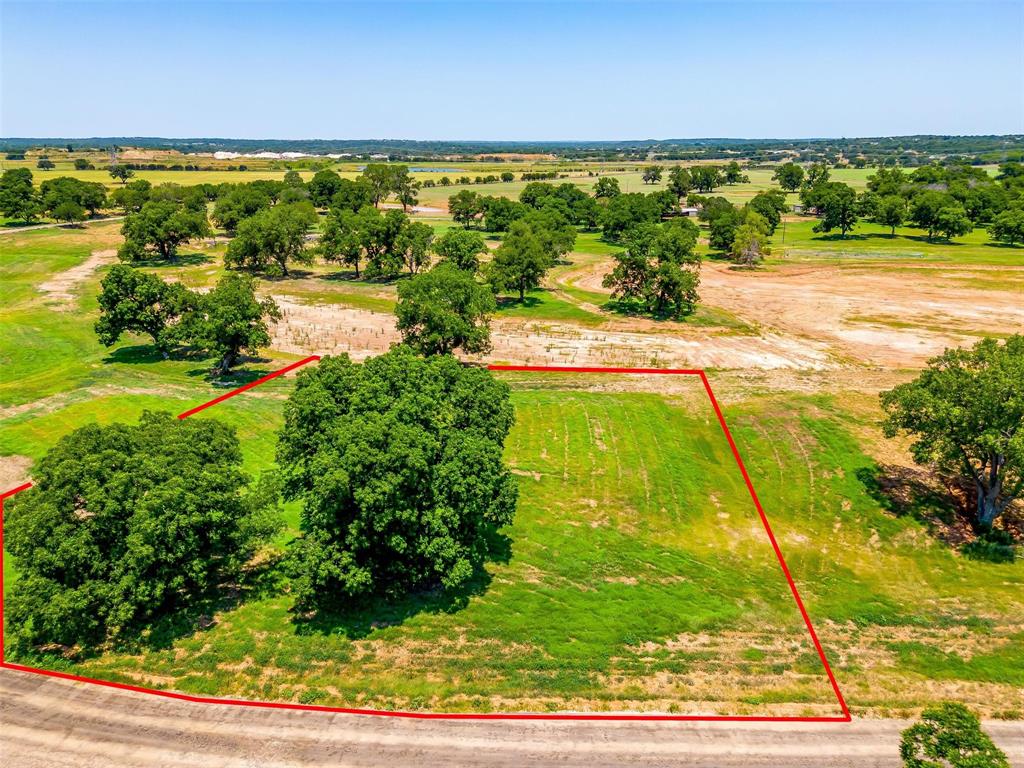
[871, 314]
[14, 471]
[325, 329]
[61, 289]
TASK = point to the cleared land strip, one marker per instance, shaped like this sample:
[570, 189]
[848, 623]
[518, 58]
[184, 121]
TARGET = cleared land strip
[47, 722]
[54, 224]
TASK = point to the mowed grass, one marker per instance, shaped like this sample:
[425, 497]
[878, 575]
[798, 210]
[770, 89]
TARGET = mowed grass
[606, 556]
[869, 242]
[637, 575]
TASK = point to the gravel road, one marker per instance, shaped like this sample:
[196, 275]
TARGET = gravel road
[47, 723]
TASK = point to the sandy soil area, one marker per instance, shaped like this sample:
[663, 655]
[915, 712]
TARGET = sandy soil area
[877, 317]
[328, 329]
[13, 471]
[885, 318]
[61, 289]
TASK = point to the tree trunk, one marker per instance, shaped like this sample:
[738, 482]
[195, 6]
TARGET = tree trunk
[522, 292]
[224, 368]
[989, 490]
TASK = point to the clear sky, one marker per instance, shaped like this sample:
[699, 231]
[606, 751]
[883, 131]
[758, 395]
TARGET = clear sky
[495, 70]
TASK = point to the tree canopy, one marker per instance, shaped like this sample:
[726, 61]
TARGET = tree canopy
[231, 318]
[790, 176]
[652, 174]
[679, 182]
[239, 202]
[18, 198]
[398, 462]
[137, 302]
[1008, 226]
[750, 239]
[965, 412]
[837, 203]
[949, 736]
[659, 270]
[706, 177]
[460, 248]
[464, 206]
[125, 524]
[160, 226]
[522, 259]
[445, 309]
[273, 237]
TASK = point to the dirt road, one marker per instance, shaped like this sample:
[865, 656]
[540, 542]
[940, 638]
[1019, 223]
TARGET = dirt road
[52, 224]
[47, 723]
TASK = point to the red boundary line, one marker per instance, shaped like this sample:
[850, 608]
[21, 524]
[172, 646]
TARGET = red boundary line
[844, 718]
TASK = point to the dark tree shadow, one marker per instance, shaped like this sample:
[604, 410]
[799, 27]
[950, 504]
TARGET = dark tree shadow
[343, 275]
[718, 256]
[180, 260]
[234, 378]
[293, 274]
[933, 241]
[357, 620]
[628, 308]
[943, 506]
[349, 276]
[856, 237]
[257, 581]
[147, 353]
[511, 302]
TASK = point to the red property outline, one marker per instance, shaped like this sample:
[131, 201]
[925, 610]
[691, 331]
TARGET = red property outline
[844, 718]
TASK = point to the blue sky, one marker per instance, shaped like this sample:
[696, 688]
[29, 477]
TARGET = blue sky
[494, 70]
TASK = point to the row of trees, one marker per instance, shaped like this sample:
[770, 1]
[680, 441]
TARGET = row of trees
[398, 462]
[225, 321]
[703, 178]
[63, 198]
[941, 200]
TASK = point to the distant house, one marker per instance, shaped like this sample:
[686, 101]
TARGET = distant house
[689, 211]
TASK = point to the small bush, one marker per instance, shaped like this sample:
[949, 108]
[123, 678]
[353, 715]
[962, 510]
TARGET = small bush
[993, 546]
[949, 736]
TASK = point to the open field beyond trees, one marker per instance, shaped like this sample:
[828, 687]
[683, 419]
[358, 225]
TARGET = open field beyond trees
[636, 575]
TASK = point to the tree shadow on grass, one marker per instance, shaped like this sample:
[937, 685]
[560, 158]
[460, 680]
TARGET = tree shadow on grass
[349, 276]
[180, 260]
[257, 581]
[639, 309]
[934, 241]
[237, 377]
[147, 353]
[359, 619]
[512, 302]
[942, 506]
[293, 274]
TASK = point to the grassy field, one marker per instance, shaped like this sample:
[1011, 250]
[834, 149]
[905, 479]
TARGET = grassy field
[636, 575]
[872, 242]
[630, 179]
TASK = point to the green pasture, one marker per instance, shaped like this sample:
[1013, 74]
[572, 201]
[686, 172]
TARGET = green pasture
[797, 240]
[636, 574]
[634, 537]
